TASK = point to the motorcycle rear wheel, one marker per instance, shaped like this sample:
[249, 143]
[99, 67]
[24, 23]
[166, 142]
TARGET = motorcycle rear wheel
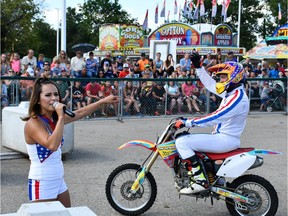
[119, 184]
[258, 189]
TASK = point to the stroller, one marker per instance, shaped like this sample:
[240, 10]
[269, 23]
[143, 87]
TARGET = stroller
[277, 97]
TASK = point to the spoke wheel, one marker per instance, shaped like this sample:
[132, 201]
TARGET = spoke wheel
[262, 195]
[118, 188]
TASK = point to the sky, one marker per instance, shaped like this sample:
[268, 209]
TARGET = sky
[136, 8]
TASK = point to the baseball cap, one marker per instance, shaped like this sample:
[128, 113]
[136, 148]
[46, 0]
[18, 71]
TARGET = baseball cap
[119, 57]
[30, 71]
[126, 65]
[63, 69]
[178, 65]
[136, 64]
[143, 55]
[147, 66]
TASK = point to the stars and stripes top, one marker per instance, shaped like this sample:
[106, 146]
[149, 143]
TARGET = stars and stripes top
[230, 117]
[45, 164]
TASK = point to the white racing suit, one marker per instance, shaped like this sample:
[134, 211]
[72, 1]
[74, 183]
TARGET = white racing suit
[229, 121]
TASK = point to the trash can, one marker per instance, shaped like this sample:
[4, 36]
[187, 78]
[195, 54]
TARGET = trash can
[13, 130]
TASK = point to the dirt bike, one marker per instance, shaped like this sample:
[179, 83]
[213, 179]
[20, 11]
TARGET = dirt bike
[131, 188]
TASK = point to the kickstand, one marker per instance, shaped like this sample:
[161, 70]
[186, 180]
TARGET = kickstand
[212, 201]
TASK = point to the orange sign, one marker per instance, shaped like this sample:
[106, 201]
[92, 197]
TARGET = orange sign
[109, 37]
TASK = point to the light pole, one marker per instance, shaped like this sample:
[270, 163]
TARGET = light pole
[63, 26]
[57, 26]
[239, 23]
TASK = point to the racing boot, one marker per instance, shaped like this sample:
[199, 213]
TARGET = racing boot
[197, 181]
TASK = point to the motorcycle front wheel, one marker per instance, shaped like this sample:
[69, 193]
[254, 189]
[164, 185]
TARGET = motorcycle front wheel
[118, 186]
[258, 189]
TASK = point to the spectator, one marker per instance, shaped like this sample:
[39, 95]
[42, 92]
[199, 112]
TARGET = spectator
[186, 62]
[92, 92]
[106, 90]
[77, 95]
[125, 71]
[178, 69]
[274, 73]
[257, 71]
[142, 62]
[27, 85]
[63, 86]
[40, 62]
[131, 65]
[144, 95]
[173, 97]
[4, 94]
[91, 66]
[63, 59]
[68, 69]
[230, 57]
[29, 60]
[137, 70]
[183, 75]
[218, 58]
[188, 92]
[151, 63]
[105, 60]
[169, 65]
[158, 68]
[77, 64]
[108, 73]
[16, 63]
[264, 96]
[119, 64]
[209, 61]
[254, 86]
[56, 70]
[148, 70]
[5, 65]
[247, 63]
[129, 98]
[47, 73]
[159, 96]
[132, 75]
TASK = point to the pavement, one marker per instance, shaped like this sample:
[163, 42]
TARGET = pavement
[95, 155]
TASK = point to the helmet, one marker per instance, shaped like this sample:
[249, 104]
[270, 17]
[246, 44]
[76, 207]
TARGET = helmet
[233, 70]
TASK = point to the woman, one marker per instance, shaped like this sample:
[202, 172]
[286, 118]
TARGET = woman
[188, 91]
[63, 59]
[173, 97]
[44, 138]
[169, 65]
[129, 98]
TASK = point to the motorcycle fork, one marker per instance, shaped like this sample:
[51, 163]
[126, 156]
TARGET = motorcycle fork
[235, 196]
[140, 178]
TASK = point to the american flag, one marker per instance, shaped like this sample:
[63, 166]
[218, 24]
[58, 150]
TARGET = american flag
[175, 7]
[202, 8]
[162, 14]
[156, 14]
[214, 8]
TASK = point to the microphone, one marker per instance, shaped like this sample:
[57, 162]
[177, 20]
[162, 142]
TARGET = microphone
[66, 111]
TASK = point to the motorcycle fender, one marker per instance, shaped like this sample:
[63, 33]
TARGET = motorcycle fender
[142, 143]
[236, 165]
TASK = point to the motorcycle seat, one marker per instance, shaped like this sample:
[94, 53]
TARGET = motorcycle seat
[219, 156]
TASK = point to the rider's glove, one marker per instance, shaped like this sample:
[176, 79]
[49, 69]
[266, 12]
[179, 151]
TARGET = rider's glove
[180, 124]
[189, 123]
[195, 58]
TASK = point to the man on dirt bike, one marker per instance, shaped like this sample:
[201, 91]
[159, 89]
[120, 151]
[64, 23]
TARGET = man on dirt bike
[229, 120]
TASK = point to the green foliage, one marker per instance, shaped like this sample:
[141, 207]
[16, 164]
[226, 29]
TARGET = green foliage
[23, 28]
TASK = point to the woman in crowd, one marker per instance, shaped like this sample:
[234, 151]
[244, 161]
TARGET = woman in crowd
[169, 65]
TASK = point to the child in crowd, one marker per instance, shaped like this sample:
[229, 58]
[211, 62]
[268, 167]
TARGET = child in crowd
[264, 95]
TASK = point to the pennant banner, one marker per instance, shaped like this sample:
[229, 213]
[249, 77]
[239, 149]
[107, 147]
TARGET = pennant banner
[202, 8]
[214, 8]
[156, 14]
[279, 12]
[162, 14]
[175, 7]
[145, 23]
[196, 11]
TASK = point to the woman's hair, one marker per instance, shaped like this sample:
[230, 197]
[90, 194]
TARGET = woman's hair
[34, 106]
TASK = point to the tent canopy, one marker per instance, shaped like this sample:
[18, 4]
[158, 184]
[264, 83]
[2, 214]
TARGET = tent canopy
[262, 51]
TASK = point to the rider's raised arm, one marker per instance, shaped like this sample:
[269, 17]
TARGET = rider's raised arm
[208, 81]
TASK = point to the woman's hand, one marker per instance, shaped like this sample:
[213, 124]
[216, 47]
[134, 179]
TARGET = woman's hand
[110, 99]
[59, 108]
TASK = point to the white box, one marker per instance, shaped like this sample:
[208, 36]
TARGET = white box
[13, 130]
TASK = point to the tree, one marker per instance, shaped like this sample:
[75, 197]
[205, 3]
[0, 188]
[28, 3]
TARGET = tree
[16, 20]
[98, 12]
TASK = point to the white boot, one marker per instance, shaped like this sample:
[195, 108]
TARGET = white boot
[197, 182]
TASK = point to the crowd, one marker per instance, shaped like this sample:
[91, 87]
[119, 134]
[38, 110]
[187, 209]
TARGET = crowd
[139, 97]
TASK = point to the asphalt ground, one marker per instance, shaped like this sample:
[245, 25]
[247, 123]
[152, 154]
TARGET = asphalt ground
[95, 155]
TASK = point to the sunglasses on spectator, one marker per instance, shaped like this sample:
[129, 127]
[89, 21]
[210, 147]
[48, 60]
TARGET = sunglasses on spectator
[11, 71]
